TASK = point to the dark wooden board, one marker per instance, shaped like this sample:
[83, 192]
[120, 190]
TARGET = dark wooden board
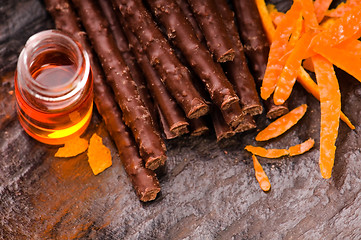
[208, 190]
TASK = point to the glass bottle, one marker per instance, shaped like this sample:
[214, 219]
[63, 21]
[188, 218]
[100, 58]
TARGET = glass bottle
[54, 87]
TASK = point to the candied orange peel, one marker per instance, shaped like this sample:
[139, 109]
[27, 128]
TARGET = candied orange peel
[99, 156]
[72, 148]
[261, 176]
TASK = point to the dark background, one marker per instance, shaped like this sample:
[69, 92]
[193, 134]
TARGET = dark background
[208, 189]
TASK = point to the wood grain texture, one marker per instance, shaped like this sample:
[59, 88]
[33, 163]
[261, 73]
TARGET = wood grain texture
[208, 189]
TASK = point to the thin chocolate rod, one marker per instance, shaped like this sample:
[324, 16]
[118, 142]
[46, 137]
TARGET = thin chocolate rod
[198, 127]
[181, 33]
[233, 115]
[213, 29]
[128, 56]
[135, 114]
[186, 9]
[166, 129]
[256, 47]
[144, 181]
[247, 123]
[222, 129]
[171, 112]
[237, 70]
[175, 76]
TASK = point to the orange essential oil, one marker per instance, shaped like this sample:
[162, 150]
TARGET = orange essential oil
[54, 87]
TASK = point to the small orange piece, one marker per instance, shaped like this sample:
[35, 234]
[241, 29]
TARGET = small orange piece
[352, 46]
[279, 49]
[282, 124]
[266, 19]
[301, 148]
[261, 176]
[72, 148]
[321, 7]
[308, 64]
[267, 153]
[308, 12]
[99, 156]
[343, 8]
[330, 99]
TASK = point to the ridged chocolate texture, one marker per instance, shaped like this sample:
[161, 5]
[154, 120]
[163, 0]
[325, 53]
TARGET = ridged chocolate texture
[135, 114]
[144, 181]
[186, 9]
[180, 31]
[256, 47]
[128, 57]
[237, 70]
[213, 29]
[171, 112]
[175, 75]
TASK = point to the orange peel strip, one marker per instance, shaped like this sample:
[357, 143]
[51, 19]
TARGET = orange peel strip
[289, 74]
[344, 28]
[308, 64]
[99, 156]
[301, 148]
[261, 176]
[72, 148]
[308, 12]
[266, 19]
[310, 86]
[342, 8]
[296, 34]
[282, 124]
[330, 99]
[267, 153]
[352, 46]
[321, 7]
[278, 50]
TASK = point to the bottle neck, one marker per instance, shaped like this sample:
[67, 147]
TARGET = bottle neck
[52, 71]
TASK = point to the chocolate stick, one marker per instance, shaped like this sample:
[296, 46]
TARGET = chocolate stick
[256, 47]
[222, 129]
[213, 29]
[181, 33]
[162, 57]
[144, 180]
[247, 123]
[186, 9]
[237, 70]
[198, 127]
[128, 56]
[135, 114]
[233, 115]
[172, 114]
[166, 129]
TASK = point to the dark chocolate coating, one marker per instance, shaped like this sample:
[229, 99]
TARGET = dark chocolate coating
[198, 127]
[128, 57]
[186, 9]
[233, 115]
[144, 181]
[178, 131]
[222, 129]
[256, 46]
[247, 123]
[213, 29]
[135, 114]
[237, 70]
[170, 110]
[180, 31]
[175, 75]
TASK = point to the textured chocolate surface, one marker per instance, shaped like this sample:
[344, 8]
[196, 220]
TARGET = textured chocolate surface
[208, 190]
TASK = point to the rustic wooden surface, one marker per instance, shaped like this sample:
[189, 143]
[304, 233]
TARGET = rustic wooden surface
[208, 190]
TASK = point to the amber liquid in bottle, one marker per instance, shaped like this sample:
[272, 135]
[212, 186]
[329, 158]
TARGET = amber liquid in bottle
[50, 112]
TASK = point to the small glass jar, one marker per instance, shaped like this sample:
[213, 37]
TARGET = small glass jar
[54, 87]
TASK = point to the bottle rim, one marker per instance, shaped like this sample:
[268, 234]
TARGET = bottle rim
[34, 45]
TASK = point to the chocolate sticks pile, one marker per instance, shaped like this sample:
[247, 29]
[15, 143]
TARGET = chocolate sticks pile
[164, 65]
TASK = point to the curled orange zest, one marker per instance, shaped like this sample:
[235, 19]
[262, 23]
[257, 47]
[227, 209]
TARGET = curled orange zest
[99, 156]
[276, 17]
[301, 148]
[330, 99]
[267, 153]
[261, 176]
[278, 50]
[72, 148]
[266, 19]
[321, 7]
[282, 124]
[290, 71]
[344, 28]
[296, 34]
